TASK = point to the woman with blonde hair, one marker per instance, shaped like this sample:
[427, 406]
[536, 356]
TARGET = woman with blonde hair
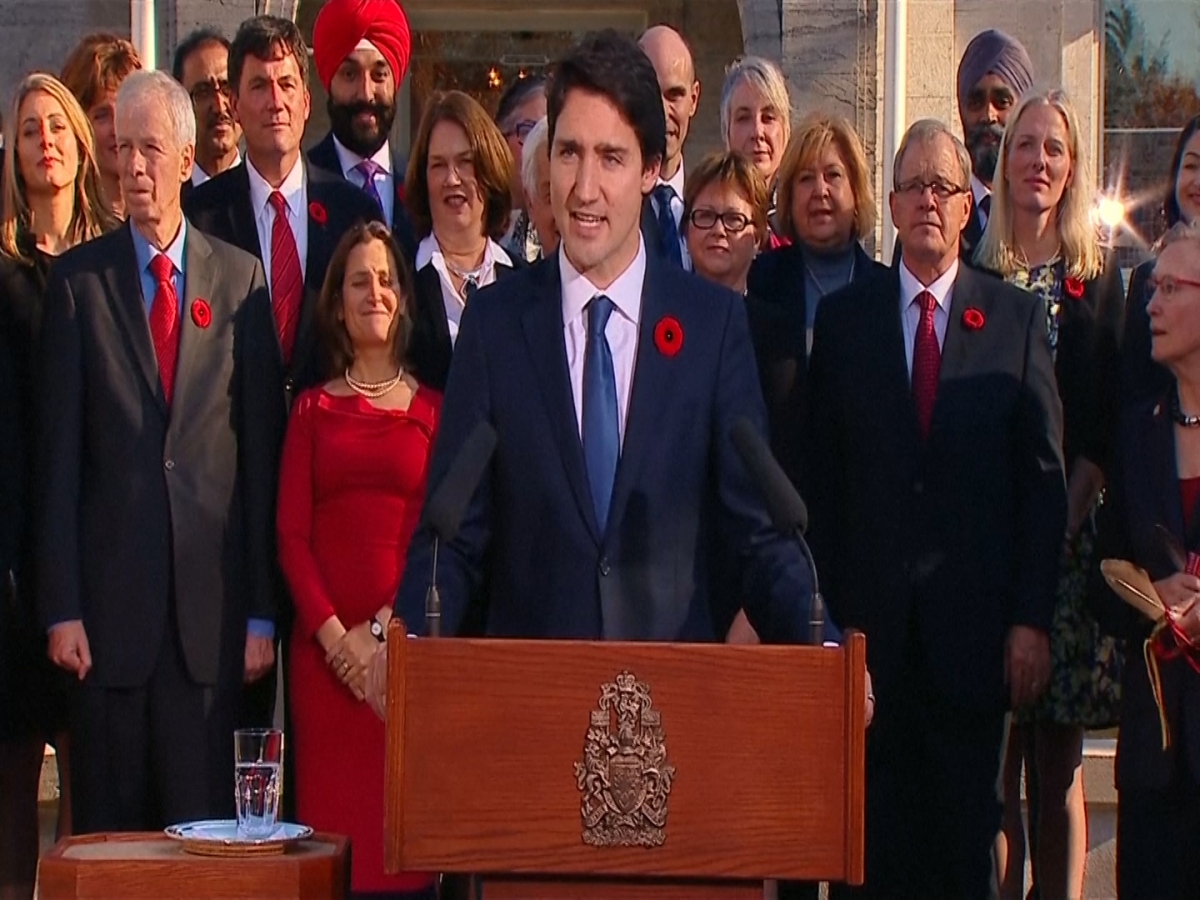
[1041, 236]
[51, 202]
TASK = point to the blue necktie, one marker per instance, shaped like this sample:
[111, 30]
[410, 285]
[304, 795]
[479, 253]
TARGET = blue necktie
[601, 437]
[663, 195]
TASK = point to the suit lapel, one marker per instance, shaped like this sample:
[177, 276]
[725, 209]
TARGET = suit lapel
[320, 251]
[198, 286]
[954, 347]
[652, 375]
[242, 218]
[543, 325]
[125, 295]
[894, 359]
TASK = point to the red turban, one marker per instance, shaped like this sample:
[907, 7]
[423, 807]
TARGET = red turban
[342, 24]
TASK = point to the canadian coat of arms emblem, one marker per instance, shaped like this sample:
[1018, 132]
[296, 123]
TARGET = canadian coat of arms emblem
[624, 775]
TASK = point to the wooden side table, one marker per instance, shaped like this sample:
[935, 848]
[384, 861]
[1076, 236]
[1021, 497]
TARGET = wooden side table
[151, 866]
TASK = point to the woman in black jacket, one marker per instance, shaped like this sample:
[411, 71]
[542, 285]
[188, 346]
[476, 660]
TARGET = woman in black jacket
[51, 201]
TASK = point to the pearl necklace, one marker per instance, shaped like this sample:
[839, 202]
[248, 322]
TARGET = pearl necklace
[374, 390]
[1180, 417]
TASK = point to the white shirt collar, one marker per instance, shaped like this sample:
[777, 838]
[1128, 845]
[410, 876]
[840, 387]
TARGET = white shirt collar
[430, 251]
[979, 190]
[199, 176]
[625, 292]
[910, 286]
[292, 188]
[348, 159]
[676, 182]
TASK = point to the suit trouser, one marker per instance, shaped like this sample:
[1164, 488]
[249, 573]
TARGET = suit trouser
[934, 803]
[155, 755]
[1158, 837]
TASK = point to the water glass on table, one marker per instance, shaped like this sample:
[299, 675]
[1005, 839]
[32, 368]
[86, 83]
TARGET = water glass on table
[257, 756]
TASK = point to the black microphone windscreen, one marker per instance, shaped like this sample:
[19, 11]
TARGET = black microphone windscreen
[447, 504]
[783, 502]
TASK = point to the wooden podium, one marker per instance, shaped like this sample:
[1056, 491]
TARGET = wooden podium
[570, 769]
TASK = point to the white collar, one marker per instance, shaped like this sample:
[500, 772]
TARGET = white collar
[910, 286]
[430, 251]
[348, 159]
[199, 176]
[676, 182]
[625, 292]
[292, 188]
[979, 190]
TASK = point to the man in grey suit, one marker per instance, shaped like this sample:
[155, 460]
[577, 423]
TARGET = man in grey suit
[157, 458]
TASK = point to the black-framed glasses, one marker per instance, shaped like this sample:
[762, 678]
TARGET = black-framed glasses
[734, 222]
[943, 190]
[207, 91]
[521, 130]
[1169, 284]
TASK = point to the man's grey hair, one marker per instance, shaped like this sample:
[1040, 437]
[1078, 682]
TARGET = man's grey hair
[925, 132]
[1177, 234]
[153, 87]
[536, 147]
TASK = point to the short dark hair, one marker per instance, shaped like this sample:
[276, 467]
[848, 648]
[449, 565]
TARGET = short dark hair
[1171, 202]
[612, 65]
[193, 42]
[490, 154]
[515, 96]
[260, 37]
[336, 348]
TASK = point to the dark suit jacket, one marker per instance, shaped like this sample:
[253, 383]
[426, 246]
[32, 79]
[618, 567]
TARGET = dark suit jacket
[23, 698]
[1144, 494]
[429, 347]
[957, 538]
[324, 156]
[1141, 377]
[150, 515]
[530, 533]
[651, 233]
[221, 207]
[777, 305]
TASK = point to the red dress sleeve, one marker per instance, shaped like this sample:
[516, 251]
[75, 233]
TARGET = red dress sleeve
[294, 520]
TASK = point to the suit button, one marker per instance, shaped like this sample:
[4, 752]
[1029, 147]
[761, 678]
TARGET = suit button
[604, 567]
[169, 465]
[918, 488]
[289, 384]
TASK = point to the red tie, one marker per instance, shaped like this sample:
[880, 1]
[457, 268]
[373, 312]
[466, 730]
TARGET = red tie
[927, 362]
[164, 321]
[287, 281]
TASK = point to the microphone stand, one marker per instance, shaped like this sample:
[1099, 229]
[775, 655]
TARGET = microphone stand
[816, 604]
[433, 600]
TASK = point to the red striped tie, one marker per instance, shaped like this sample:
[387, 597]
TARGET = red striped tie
[287, 281]
[927, 363]
[164, 322]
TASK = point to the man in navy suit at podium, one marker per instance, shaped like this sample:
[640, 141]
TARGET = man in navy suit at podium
[612, 380]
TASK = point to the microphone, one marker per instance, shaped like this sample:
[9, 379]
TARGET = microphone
[446, 506]
[785, 507]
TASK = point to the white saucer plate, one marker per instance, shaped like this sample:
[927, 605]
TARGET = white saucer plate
[219, 837]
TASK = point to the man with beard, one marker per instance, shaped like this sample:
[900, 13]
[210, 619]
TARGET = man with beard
[994, 72]
[361, 49]
[662, 216]
[202, 67]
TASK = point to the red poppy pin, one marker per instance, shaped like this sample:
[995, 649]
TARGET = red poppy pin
[317, 211]
[973, 318]
[400, 191]
[668, 336]
[201, 313]
[1073, 287]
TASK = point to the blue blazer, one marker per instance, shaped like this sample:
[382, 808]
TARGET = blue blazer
[530, 540]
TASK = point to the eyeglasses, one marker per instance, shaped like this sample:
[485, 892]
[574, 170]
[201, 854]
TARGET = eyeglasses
[734, 222]
[1169, 284]
[206, 91]
[521, 130]
[942, 190]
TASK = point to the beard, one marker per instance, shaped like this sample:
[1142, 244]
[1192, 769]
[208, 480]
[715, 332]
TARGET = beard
[364, 141]
[985, 154]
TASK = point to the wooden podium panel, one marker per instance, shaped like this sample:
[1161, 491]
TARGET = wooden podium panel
[767, 743]
[151, 866]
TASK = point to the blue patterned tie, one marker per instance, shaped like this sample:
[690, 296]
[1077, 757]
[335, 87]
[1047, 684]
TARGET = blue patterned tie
[368, 169]
[601, 437]
[663, 195]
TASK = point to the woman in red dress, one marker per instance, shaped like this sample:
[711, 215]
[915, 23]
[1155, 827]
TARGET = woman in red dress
[351, 487]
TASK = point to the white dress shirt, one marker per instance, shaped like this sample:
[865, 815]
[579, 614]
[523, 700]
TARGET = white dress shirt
[910, 310]
[295, 194]
[621, 330]
[979, 190]
[429, 251]
[385, 183]
[199, 176]
[676, 185]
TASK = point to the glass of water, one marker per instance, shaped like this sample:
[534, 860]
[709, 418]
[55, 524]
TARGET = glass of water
[257, 756]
